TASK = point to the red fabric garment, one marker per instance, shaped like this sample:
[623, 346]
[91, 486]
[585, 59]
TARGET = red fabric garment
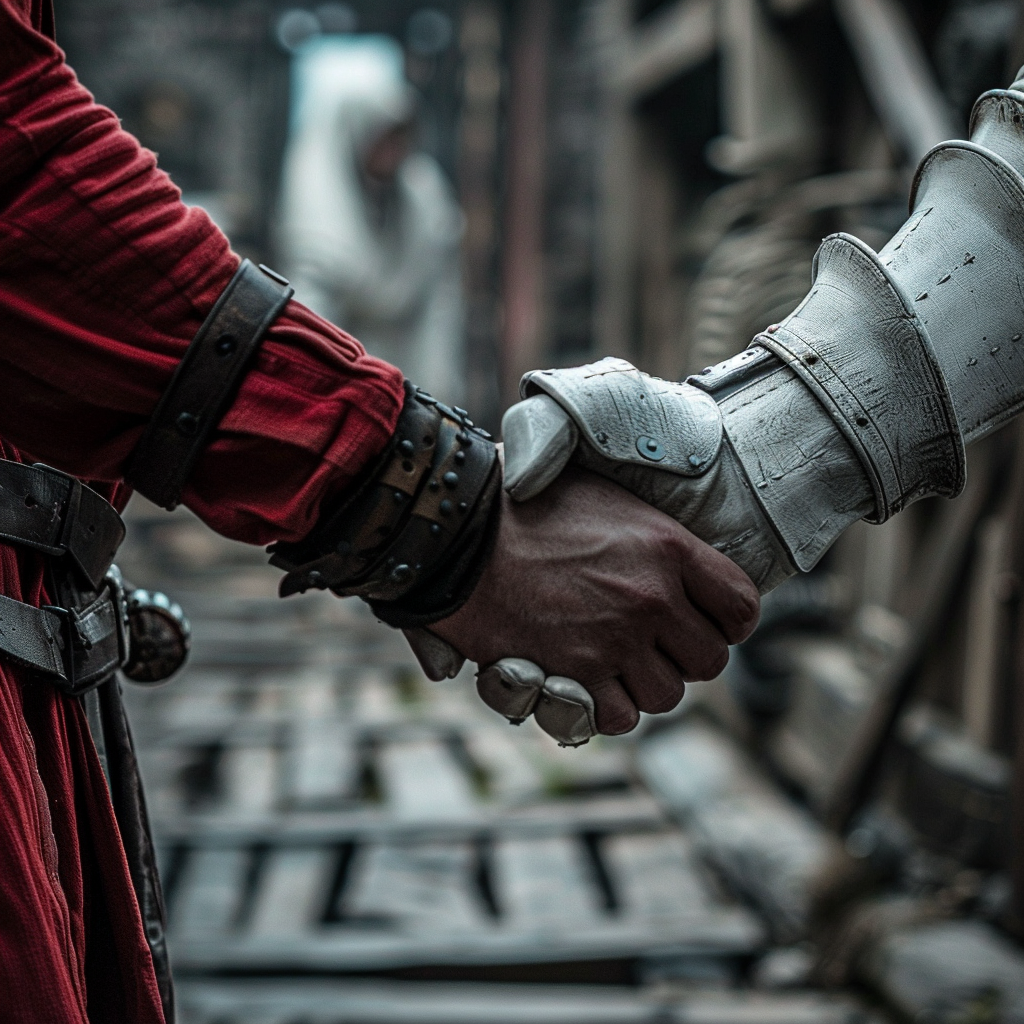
[104, 278]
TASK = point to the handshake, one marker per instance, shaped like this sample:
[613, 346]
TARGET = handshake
[623, 545]
[641, 518]
[624, 560]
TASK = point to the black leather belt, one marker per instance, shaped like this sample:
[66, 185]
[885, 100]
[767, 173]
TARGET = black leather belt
[81, 641]
[51, 512]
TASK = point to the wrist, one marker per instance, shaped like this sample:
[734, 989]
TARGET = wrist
[410, 536]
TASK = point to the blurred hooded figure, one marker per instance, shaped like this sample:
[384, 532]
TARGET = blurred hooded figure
[369, 228]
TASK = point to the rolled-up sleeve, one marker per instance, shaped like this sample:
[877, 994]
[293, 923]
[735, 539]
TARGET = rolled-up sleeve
[105, 277]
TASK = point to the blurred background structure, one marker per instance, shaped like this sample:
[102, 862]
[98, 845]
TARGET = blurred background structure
[833, 831]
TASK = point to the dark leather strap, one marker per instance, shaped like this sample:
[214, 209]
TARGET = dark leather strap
[205, 383]
[49, 511]
[76, 649]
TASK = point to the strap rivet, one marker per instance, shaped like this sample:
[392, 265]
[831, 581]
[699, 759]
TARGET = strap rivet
[226, 344]
[451, 479]
[445, 507]
[187, 423]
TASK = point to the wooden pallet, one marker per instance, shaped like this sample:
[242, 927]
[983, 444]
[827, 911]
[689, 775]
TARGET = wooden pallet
[322, 807]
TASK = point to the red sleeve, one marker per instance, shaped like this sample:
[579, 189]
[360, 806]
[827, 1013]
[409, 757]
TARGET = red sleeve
[105, 277]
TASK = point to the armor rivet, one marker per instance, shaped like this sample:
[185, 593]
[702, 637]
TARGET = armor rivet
[451, 479]
[226, 344]
[972, 361]
[810, 360]
[445, 507]
[773, 328]
[434, 529]
[401, 572]
[407, 448]
[650, 449]
[694, 460]
[1016, 337]
[433, 485]
[187, 424]
[460, 457]
[399, 497]
[463, 506]
[601, 437]
[862, 421]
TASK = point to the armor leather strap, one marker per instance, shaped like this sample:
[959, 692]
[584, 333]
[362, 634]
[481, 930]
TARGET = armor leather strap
[75, 648]
[51, 512]
[205, 383]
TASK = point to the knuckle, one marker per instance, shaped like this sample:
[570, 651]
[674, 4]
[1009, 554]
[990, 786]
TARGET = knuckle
[711, 664]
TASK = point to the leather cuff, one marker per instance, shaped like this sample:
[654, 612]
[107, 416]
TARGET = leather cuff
[413, 534]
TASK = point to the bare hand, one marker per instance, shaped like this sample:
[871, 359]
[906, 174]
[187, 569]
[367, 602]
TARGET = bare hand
[592, 583]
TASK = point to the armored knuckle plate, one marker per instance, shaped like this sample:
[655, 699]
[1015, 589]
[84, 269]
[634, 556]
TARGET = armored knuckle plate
[857, 344]
[630, 417]
[540, 438]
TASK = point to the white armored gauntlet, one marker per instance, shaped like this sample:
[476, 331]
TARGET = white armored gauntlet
[857, 404]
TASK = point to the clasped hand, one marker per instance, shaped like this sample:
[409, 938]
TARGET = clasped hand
[593, 584]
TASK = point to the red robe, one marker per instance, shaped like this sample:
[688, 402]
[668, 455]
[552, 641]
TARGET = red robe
[105, 276]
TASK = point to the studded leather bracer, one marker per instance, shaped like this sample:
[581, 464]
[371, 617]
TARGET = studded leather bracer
[412, 537]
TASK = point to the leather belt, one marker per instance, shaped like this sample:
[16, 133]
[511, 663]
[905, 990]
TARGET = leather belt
[76, 648]
[81, 642]
[51, 512]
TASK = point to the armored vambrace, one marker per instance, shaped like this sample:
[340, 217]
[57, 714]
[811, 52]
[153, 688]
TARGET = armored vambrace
[857, 404]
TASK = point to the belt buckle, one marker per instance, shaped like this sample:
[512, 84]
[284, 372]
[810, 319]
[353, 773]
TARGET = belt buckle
[75, 640]
[114, 582]
[69, 684]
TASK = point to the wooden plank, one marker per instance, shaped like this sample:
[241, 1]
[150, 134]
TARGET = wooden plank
[654, 877]
[249, 779]
[391, 1002]
[512, 776]
[292, 891]
[423, 782]
[678, 37]
[321, 765]
[426, 886]
[218, 828]
[540, 883]
[353, 946]
[895, 71]
[208, 895]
